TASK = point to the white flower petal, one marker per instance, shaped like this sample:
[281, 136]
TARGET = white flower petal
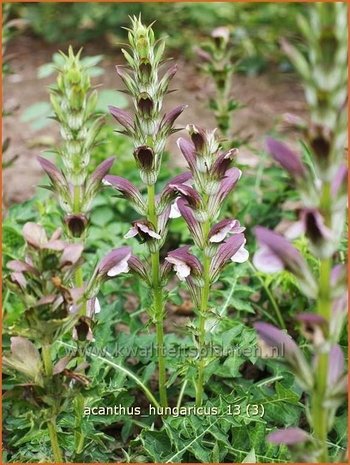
[174, 210]
[295, 230]
[122, 267]
[148, 231]
[238, 230]
[97, 306]
[264, 260]
[241, 255]
[131, 233]
[182, 270]
[221, 235]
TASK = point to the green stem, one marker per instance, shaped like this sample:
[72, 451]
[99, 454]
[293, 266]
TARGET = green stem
[46, 355]
[158, 302]
[79, 282]
[123, 370]
[320, 414]
[223, 114]
[79, 436]
[182, 392]
[271, 298]
[51, 424]
[324, 304]
[76, 199]
[202, 319]
[78, 275]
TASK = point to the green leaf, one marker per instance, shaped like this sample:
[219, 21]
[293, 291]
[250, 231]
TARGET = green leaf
[102, 216]
[231, 366]
[250, 458]
[157, 444]
[37, 115]
[110, 97]
[91, 61]
[46, 70]
[12, 238]
[241, 305]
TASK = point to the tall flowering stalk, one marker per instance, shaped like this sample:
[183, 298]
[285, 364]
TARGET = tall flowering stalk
[323, 192]
[10, 28]
[75, 188]
[149, 130]
[217, 57]
[200, 202]
[74, 105]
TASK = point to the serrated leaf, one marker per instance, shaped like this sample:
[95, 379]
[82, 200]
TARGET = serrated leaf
[241, 305]
[250, 458]
[157, 444]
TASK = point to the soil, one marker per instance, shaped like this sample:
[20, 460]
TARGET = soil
[266, 97]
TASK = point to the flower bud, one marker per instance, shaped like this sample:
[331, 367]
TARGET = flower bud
[57, 178]
[82, 330]
[193, 224]
[137, 267]
[145, 70]
[313, 327]
[126, 78]
[223, 163]
[287, 158]
[145, 105]
[321, 141]
[76, 224]
[145, 158]
[189, 152]
[166, 125]
[221, 36]
[128, 191]
[336, 366]
[122, 117]
[321, 238]
[198, 137]
[227, 251]
[274, 338]
[169, 74]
